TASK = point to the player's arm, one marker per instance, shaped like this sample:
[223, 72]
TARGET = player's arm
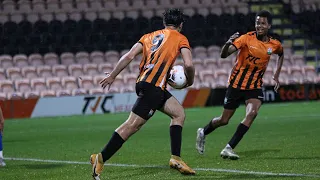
[229, 47]
[126, 59]
[278, 70]
[188, 65]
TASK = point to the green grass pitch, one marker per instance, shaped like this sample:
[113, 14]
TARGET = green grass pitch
[285, 138]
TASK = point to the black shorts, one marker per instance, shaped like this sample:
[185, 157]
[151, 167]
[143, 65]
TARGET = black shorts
[150, 98]
[235, 96]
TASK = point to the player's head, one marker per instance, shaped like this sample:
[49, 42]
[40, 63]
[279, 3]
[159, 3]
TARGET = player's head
[173, 17]
[263, 22]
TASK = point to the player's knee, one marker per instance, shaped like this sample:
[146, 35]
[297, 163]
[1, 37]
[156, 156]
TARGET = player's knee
[252, 114]
[179, 117]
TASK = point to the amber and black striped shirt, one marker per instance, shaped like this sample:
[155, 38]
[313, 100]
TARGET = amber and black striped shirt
[160, 50]
[252, 61]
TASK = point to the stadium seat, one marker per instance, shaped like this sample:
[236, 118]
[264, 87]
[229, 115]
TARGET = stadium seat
[23, 85]
[67, 58]
[75, 70]
[310, 74]
[207, 76]
[296, 75]
[200, 52]
[82, 57]
[60, 70]
[38, 6]
[134, 67]
[91, 15]
[86, 82]
[35, 60]
[48, 93]
[14, 73]
[78, 92]
[96, 5]
[90, 69]
[29, 72]
[211, 64]
[54, 83]
[20, 60]
[2, 74]
[31, 95]
[38, 84]
[44, 71]
[6, 86]
[6, 61]
[82, 5]
[51, 59]
[97, 57]
[225, 63]
[63, 92]
[15, 95]
[24, 6]
[16, 17]
[130, 79]
[8, 6]
[66, 5]
[221, 78]
[61, 16]
[106, 67]
[69, 82]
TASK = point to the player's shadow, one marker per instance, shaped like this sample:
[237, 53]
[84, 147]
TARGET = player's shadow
[258, 152]
[42, 166]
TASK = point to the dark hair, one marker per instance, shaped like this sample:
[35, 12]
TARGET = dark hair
[173, 17]
[266, 14]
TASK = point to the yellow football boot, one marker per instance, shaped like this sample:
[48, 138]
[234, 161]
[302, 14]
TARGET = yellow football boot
[178, 164]
[97, 165]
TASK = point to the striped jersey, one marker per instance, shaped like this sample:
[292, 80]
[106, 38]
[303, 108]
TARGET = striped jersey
[160, 50]
[252, 60]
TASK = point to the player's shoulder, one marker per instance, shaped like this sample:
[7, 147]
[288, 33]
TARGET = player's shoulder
[250, 33]
[275, 40]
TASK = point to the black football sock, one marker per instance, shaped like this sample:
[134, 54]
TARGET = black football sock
[241, 130]
[176, 138]
[208, 128]
[112, 147]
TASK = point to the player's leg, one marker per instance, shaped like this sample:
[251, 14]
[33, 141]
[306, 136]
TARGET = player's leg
[253, 103]
[121, 134]
[175, 111]
[142, 110]
[1, 153]
[232, 102]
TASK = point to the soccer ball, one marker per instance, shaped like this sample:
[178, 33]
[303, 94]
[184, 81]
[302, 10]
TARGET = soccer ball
[177, 78]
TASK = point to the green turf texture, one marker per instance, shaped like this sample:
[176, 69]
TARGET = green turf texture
[285, 138]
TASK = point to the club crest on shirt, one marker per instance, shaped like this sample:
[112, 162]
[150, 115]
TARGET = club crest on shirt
[269, 51]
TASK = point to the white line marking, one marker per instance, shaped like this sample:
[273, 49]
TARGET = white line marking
[165, 167]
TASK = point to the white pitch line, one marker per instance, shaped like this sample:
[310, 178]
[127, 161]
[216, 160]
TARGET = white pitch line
[165, 167]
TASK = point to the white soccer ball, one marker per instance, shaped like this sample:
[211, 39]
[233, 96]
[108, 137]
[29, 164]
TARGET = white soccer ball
[177, 78]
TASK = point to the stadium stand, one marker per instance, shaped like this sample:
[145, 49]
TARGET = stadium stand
[46, 46]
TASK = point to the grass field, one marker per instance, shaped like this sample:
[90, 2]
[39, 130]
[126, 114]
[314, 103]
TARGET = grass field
[284, 139]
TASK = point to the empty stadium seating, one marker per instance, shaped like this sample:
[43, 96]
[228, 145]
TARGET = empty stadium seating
[63, 47]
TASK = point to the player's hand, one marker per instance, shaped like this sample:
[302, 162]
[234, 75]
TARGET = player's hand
[107, 81]
[276, 79]
[233, 37]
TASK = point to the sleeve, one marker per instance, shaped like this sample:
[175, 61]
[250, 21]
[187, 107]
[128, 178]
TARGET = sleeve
[184, 43]
[141, 40]
[279, 50]
[240, 41]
